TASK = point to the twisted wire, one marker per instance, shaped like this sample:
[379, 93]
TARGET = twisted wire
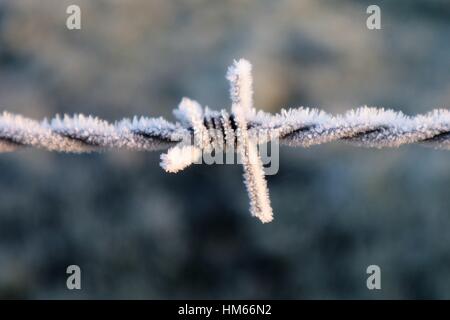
[302, 127]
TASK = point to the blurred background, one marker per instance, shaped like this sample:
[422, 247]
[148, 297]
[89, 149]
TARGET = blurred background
[137, 232]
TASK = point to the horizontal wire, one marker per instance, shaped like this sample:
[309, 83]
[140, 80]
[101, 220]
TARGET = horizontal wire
[302, 127]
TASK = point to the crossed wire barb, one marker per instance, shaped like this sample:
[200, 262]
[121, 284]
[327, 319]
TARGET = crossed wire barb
[201, 130]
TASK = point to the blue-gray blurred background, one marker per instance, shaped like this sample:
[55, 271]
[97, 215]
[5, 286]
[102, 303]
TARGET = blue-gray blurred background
[137, 232]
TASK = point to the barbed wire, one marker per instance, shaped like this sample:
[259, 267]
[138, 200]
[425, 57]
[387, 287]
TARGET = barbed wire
[199, 130]
[302, 127]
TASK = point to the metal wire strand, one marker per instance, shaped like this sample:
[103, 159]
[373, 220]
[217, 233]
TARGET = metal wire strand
[302, 127]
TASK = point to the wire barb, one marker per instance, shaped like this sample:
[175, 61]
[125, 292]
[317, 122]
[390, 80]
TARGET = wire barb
[241, 93]
[201, 130]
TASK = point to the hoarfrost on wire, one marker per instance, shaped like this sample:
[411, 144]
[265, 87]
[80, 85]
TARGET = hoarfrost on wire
[201, 130]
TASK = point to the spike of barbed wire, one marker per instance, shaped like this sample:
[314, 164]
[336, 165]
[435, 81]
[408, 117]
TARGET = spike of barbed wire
[201, 130]
[184, 154]
[240, 78]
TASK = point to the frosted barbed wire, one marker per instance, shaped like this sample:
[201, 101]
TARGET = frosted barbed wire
[302, 127]
[201, 130]
[81, 133]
